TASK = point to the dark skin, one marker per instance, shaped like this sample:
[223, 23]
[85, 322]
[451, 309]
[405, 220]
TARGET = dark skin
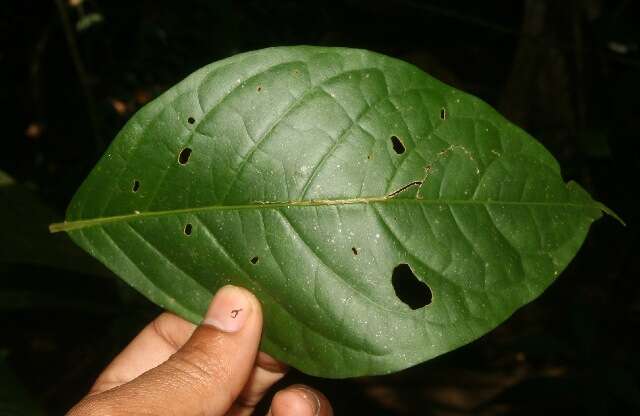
[176, 368]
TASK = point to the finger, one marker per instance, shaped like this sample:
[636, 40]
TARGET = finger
[154, 345]
[300, 400]
[266, 373]
[206, 375]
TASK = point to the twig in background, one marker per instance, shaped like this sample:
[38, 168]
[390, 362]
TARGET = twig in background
[85, 81]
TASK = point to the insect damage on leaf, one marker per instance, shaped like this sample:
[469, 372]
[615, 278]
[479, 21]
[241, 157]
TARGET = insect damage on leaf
[184, 156]
[409, 289]
[395, 217]
[398, 146]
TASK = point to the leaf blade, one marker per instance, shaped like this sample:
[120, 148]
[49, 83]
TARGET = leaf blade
[295, 187]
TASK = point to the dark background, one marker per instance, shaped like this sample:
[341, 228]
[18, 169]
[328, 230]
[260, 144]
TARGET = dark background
[73, 72]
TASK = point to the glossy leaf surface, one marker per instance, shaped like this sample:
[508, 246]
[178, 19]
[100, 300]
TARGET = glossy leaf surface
[309, 175]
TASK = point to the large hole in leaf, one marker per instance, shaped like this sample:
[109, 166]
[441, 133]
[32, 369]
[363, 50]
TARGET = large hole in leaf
[398, 147]
[184, 156]
[409, 289]
[191, 120]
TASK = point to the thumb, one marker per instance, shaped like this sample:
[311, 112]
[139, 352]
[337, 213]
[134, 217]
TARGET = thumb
[207, 374]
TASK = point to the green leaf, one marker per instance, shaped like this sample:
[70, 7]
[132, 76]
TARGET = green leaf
[88, 20]
[312, 176]
[5, 179]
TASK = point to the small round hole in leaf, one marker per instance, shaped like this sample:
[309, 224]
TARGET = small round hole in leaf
[184, 156]
[136, 185]
[191, 120]
[409, 289]
[254, 260]
[259, 88]
[188, 229]
[398, 146]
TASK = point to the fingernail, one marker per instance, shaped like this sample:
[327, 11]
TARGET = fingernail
[310, 398]
[229, 309]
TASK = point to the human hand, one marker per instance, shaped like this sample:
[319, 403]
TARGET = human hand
[175, 368]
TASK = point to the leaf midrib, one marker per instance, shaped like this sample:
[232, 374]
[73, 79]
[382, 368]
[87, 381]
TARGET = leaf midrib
[86, 223]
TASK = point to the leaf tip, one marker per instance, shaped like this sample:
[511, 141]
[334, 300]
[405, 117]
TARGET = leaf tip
[611, 213]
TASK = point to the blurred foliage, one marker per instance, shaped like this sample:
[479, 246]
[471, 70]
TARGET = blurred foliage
[25, 220]
[567, 71]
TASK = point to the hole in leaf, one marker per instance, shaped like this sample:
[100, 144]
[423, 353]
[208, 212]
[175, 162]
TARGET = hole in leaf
[398, 147]
[183, 158]
[188, 229]
[355, 251]
[409, 289]
[254, 260]
[136, 185]
[259, 88]
[443, 113]
[191, 120]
